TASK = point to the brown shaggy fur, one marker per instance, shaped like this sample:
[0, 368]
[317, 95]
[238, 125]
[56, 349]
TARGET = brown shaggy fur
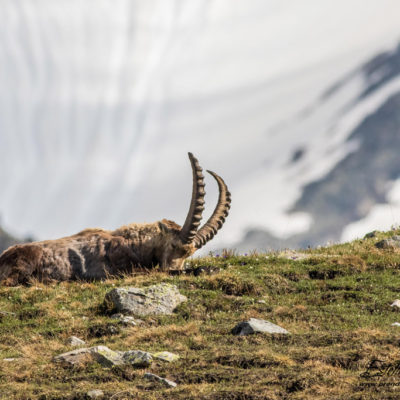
[96, 254]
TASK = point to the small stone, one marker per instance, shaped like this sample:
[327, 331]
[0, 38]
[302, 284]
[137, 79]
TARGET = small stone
[166, 356]
[9, 359]
[261, 302]
[95, 394]
[396, 303]
[137, 358]
[75, 341]
[390, 243]
[254, 325]
[396, 324]
[156, 378]
[153, 300]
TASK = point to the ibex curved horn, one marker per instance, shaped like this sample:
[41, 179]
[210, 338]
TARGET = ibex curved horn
[192, 222]
[217, 219]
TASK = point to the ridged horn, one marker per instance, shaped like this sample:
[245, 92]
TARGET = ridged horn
[192, 222]
[217, 219]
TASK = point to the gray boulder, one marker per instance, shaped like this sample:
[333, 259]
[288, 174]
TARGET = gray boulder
[254, 325]
[390, 243]
[102, 354]
[137, 358]
[152, 300]
[74, 357]
[158, 379]
[107, 357]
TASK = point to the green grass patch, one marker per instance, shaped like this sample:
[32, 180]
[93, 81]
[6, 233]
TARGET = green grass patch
[335, 301]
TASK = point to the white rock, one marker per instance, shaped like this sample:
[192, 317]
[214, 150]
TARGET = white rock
[75, 341]
[156, 378]
[396, 324]
[95, 394]
[396, 303]
[254, 325]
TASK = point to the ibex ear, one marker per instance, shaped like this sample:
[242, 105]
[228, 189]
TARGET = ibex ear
[163, 227]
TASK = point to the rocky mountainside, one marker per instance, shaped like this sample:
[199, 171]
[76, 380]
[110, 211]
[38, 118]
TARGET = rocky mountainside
[363, 178]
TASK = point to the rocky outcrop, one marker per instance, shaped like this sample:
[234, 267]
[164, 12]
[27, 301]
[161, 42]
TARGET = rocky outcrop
[102, 354]
[110, 358]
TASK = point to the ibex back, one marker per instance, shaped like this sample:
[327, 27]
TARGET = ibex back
[98, 253]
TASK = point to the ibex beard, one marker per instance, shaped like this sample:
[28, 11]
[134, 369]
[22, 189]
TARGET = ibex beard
[98, 253]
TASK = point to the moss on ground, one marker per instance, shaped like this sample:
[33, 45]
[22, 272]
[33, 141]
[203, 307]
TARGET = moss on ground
[335, 301]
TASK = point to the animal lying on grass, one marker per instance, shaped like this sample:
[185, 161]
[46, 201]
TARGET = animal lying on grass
[98, 253]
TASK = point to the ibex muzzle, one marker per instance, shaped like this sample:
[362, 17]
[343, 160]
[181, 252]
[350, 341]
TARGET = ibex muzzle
[98, 253]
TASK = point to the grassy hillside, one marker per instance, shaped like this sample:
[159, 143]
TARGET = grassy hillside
[335, 301]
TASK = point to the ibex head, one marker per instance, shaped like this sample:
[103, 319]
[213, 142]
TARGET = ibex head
[98, 253]
[181, 242]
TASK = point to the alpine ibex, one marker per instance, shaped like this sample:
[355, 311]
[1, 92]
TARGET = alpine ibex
[98, 253]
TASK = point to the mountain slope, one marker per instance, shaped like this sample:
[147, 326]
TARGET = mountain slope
[365, 176]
